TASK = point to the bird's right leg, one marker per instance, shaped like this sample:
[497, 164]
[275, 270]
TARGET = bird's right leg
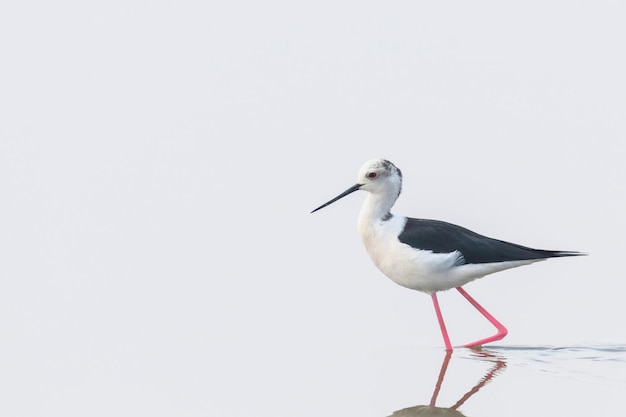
[501, 330]
[442, 325]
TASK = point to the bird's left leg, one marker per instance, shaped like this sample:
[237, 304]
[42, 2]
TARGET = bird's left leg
[442, 324]
[501, 330]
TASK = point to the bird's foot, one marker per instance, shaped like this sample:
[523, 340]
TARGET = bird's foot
[502, 332]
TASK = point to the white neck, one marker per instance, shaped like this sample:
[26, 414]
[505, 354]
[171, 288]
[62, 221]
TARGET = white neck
[377, 206]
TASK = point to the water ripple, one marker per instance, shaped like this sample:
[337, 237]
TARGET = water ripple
[591, 363]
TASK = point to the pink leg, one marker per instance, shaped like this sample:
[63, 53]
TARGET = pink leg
[502, 331]
[442, 325]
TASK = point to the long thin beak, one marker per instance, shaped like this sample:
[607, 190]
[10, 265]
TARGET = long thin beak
[350, 190]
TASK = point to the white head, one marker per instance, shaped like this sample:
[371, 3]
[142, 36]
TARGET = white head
[378, 177]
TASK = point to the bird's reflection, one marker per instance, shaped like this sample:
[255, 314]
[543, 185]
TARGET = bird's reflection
[498, 364]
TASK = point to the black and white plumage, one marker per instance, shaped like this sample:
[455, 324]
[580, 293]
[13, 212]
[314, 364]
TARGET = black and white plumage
[428, 255]
[442, 237]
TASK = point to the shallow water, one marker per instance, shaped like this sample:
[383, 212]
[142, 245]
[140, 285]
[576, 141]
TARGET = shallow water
[504, 380]
[594, 364]
[525, 380]
[353, 378]
[403, 381]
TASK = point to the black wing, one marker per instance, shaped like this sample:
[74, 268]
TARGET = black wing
[442, 237]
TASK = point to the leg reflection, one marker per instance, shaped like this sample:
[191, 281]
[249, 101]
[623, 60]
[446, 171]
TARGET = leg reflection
[431, 410]
[498, 365]
[442, 373]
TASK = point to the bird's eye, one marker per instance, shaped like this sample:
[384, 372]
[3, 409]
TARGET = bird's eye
[371, 175]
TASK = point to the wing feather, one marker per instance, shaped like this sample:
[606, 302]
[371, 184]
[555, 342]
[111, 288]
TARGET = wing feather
[442, 237]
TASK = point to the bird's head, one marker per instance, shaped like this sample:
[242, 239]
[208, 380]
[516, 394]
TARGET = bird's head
[377, 176]
[380, 176]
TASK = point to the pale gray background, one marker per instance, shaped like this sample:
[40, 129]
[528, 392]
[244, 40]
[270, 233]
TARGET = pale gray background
[158, 162]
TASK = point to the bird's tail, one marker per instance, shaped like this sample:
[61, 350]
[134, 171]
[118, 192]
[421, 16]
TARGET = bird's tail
[563, 253]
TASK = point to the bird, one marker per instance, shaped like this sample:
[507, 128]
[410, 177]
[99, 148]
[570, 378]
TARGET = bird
[431, 256]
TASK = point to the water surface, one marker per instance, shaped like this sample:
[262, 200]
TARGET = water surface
[524, 381]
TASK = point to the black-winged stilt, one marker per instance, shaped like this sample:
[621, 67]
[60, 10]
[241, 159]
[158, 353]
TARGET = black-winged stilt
[430, 255]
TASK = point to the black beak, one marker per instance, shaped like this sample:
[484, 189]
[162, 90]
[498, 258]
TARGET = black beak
[342, 195]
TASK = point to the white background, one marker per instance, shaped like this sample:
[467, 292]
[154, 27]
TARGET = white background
[158, 162]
